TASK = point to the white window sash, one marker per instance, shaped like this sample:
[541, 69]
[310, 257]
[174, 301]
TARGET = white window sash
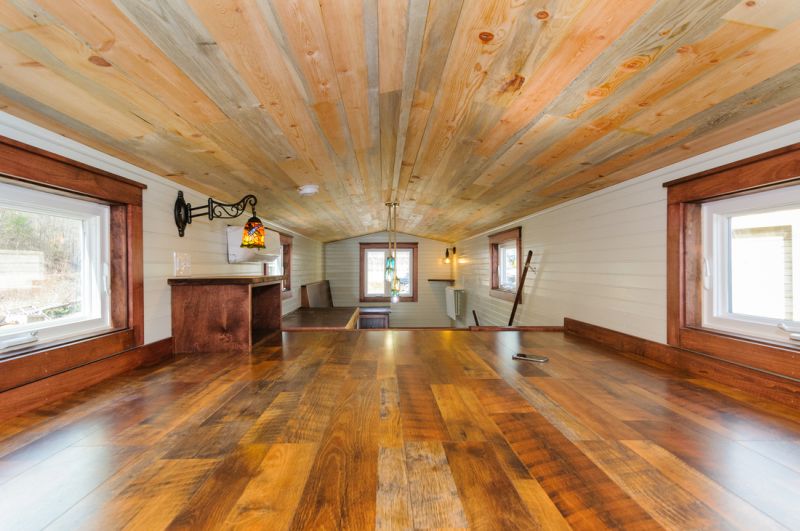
[95, 269]
[716, 302]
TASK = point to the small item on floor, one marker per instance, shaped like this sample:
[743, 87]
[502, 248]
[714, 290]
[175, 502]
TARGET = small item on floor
[530, 357]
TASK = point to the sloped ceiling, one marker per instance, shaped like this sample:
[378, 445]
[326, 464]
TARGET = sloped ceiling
[470, 114]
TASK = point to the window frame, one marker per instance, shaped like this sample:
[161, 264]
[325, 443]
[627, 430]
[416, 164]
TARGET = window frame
[362, 281]
[495, 241]
[717, 286]
[31, 166]
[286, 264]
[685, 197]
[96, 240]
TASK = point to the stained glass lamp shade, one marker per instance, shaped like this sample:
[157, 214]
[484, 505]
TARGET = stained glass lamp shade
[253, 233]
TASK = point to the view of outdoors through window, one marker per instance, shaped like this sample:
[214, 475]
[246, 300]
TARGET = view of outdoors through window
[764, 266]
[40, 268]
[376, 284]
[508, 266]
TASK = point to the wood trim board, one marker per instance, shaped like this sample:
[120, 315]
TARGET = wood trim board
[57, 386]
[750, 379]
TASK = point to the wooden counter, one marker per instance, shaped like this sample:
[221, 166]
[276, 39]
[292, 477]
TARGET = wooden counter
[224, 313]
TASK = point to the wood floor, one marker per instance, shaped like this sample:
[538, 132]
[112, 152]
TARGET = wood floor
[404, 429]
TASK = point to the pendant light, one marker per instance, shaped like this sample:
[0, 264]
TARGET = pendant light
[391, 258]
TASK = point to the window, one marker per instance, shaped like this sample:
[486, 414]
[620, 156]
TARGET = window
[286, 260]
[750, 263]
[54, 266]
[505, 250]
[374, 286]
[282, 265]
[732, 262]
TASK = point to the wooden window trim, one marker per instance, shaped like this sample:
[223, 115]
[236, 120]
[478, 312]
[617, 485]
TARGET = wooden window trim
[494, 242]
[363, 247]
[768, 171]
[286, 244]
[27, 164]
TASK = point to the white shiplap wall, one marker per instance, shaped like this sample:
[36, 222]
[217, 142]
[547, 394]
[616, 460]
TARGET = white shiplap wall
[341, 269]
[204, 241]
[600, 258]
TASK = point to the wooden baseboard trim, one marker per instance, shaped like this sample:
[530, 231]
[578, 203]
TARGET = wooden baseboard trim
[29, 396]
[754, 381]
[516, 328]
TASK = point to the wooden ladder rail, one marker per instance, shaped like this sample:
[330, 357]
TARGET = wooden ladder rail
[519, 288]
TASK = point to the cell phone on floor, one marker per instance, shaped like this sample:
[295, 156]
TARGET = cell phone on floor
[530, 357]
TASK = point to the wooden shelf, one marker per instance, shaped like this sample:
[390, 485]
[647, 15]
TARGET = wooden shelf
[441, 280]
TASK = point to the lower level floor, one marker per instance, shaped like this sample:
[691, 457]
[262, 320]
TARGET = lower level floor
[404, 429]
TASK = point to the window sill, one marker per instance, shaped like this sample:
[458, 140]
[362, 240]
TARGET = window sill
[779, 357]
[504, 294]
[50, 344]
[40, 360]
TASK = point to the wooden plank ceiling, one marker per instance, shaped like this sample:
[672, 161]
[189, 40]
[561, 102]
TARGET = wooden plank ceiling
[470, 114]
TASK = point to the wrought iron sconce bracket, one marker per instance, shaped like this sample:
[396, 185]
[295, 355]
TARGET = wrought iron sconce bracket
[185, 212]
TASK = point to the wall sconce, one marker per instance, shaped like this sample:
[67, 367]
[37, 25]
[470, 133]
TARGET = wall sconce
[253, 232]
[447, 255]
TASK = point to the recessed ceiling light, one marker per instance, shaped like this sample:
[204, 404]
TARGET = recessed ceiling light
[308, 189]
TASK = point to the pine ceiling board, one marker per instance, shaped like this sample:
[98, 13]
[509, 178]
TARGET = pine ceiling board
[722, 122]
[767, 58]
[377, 100]
[589, 33]
[12, 19]
[56, 49]
[239, 30]
[440, 26]
[583, 42]
[691, 60]
[417, 17]
[648, 40]
[242, 33]
[173, 27]
[117, 40]
[304, 34]
[647, 73]
[471, 54]
[775, 14]
[743, 115]
[39, 83]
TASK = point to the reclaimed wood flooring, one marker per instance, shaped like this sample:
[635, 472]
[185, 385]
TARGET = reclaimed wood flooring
[404, 430]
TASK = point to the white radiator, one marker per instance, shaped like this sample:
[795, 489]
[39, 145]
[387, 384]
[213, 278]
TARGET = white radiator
[454, 301]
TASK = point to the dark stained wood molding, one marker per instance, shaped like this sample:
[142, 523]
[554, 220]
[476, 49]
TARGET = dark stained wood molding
[59, 385]
[516, 328]
[736, 164]
[362, 278]
[750, 379]
[287, 246]
[43, 362]
[135, 270]
[494, 241]
[685, 197]
[38, 166]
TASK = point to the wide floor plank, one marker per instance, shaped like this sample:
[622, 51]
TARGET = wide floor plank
[403, 430]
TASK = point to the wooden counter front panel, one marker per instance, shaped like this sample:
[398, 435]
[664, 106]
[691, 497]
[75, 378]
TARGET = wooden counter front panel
[211, 318]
